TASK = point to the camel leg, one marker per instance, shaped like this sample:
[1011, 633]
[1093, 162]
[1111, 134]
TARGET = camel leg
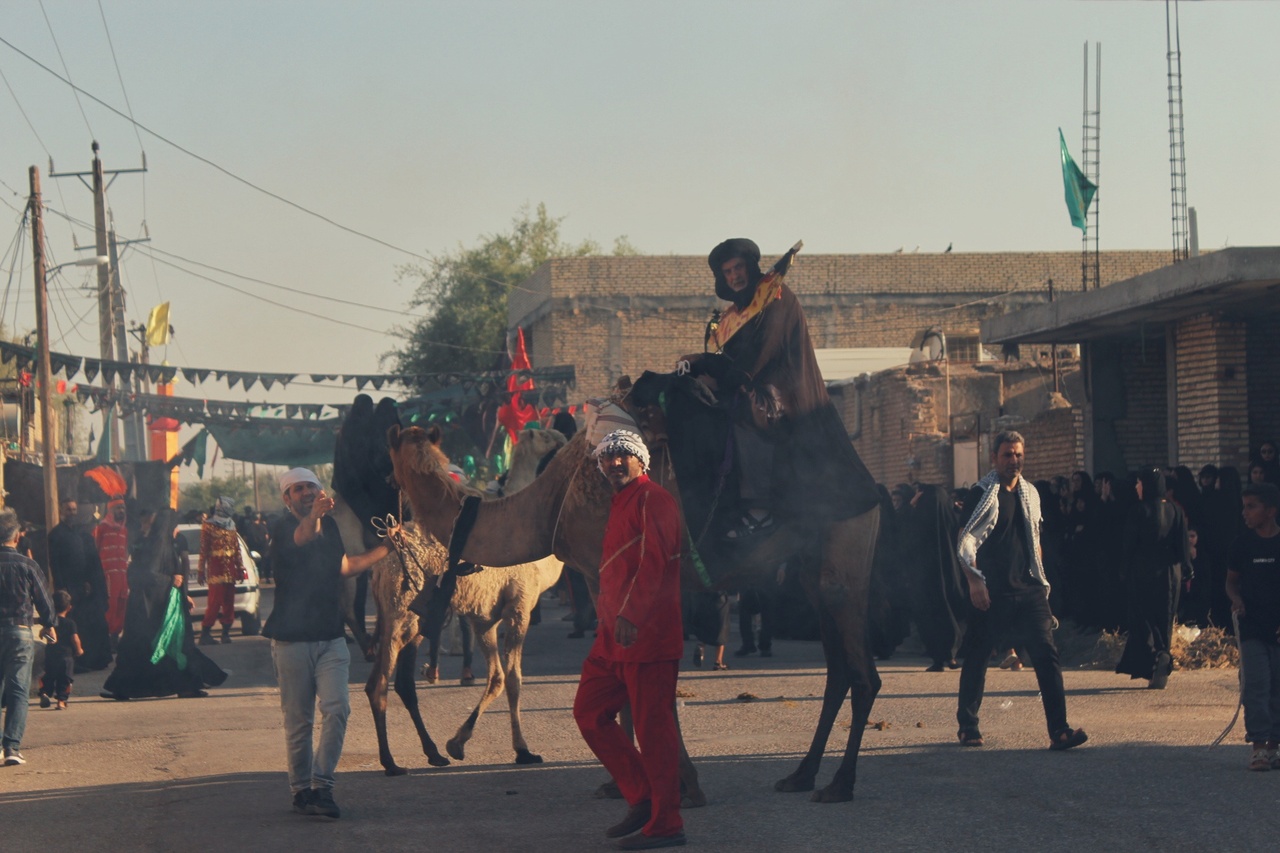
[488, 642]
[837, 687]
[407, 690]
[513, 655]
[855, 541]
[691, 794]
[376, 689]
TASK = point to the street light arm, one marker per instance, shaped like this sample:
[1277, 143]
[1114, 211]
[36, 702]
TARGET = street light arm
[98, 261]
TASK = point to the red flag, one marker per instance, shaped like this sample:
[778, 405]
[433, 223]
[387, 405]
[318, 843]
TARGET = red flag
[515, 414]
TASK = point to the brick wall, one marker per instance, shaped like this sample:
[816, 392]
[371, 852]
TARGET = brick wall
[1142, 433]
[1263, 381]
[1212, 392]
[1055, 443]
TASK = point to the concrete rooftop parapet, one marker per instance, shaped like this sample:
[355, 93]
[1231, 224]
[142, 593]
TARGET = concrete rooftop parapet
[1239, 279]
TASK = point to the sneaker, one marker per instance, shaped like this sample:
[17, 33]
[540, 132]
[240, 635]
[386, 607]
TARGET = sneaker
[45, 701]
[322, 804]
[12, 757]
[1260, 760]
[302, 801]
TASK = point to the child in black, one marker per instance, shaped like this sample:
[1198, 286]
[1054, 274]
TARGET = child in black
[1253, 585]
[59, 657]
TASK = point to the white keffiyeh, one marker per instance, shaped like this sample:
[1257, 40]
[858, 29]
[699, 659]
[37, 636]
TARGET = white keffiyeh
[623, 441]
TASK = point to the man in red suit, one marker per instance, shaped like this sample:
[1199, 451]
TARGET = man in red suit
[221, 566]
[112, 538]
[637, 648]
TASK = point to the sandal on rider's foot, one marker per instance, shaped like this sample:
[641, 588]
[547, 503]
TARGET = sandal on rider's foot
[970, 738]
[749, 526]
[1068, 738]
[720, 665]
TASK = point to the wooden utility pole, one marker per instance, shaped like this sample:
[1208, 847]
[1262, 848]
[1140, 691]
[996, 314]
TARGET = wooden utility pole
[105, 271]
[43, 368]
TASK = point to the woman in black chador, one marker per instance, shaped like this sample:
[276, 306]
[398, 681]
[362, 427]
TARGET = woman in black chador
[940, 600]
[154, 571]
[1156, 550]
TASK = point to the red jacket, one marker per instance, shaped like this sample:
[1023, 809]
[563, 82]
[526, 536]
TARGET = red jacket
[640, 575]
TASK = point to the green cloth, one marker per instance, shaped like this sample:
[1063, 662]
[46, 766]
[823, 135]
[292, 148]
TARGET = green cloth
[169, 640]
[1079, 189]
[291, 445]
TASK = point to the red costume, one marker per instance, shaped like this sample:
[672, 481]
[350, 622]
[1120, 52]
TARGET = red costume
[639, 581]
[112, 540]
[221, 566]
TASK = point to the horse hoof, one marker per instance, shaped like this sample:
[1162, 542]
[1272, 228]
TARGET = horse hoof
[437, 760]
[794, 784]
[831, 794]
[524, 756]
[454, 748]
[396, 770]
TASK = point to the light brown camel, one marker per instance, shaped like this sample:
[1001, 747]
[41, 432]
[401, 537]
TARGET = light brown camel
[494, 598]
[564, 512]
[531, 446]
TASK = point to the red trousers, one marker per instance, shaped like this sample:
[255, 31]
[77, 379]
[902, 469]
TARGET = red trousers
[117, 600]
[222, 600]
[653, 771]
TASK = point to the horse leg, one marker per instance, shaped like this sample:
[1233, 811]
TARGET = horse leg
[488, 641]
[407, 690]
[376, 689]
[837, 687]
[852, 545]
[513, 656]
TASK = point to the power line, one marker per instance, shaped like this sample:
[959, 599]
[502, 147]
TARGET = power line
[209, 162]
[61, 59]
[287, 289]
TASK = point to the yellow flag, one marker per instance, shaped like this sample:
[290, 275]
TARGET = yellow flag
[158, 325]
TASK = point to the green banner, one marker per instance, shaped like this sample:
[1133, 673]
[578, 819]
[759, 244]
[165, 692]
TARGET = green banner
[1079, 189]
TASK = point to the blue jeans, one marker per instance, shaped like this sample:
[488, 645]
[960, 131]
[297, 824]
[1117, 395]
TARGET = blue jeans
[1261, 694]
[307, 672]
[17, 650]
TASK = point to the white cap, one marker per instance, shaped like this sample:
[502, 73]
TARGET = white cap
[297, 475]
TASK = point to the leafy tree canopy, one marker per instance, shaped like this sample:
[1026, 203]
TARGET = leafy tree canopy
[465, 294]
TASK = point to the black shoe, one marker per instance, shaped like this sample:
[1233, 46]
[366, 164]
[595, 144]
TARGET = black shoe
[193, 694]
[206, 638]
[936, 666]
[322, 804]
[302, 801]
[226, 634]
[637, 816]
[697, 656]
[744, 651]
[766, 653]
[119, 697]
[45, 702]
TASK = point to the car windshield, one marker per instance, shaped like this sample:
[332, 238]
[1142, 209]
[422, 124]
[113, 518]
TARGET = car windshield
[192, 538]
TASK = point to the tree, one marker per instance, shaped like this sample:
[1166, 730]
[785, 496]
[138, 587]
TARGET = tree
[465, 295]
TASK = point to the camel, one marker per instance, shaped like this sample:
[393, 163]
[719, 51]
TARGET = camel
[490, 599]
[564, 512]
[533, 444]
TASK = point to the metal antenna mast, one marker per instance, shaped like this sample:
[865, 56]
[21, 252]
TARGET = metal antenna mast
[1177, 148]
[1090, 149]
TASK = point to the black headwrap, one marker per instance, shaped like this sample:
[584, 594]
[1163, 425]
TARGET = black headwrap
[738, 247]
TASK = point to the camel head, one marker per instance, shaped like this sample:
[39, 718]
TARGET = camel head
[413, 453]
[643, 401]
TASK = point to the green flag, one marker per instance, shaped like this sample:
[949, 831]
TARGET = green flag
[1079, 189]
[103, 453]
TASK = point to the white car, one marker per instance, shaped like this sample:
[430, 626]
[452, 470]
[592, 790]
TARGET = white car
[247, 592]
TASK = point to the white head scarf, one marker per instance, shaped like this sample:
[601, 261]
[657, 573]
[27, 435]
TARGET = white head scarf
[623, 441]
[297, 475]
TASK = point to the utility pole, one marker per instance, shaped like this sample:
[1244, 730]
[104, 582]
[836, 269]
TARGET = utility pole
[43, 367]
[105, 272]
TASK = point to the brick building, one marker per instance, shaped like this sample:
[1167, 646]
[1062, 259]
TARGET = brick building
[611, 316]
[1181, 364]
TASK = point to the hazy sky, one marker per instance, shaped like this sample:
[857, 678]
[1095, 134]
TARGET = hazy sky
[856, 126]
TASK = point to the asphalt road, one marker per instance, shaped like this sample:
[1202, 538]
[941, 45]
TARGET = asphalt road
[209, 773]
